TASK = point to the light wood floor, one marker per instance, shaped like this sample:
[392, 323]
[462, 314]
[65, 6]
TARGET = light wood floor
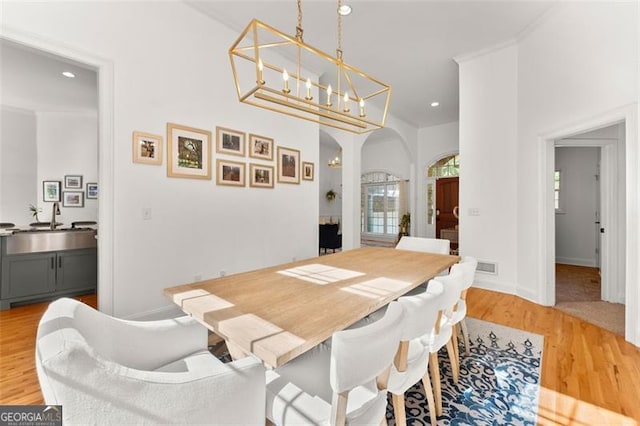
[590, 376]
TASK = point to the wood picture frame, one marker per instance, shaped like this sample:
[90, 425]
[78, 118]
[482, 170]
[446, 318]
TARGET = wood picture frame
[307, 170]
[73, 181]
[188, 152]
[230, 173]
[147, 148]
[73, 199]
[260, 176]
[92, 190]
[288, 165]
[260, 147]
[230, 142]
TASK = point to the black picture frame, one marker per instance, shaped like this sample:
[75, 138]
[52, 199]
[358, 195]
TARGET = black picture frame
[51, 191]
[73, 199]
[92, 190]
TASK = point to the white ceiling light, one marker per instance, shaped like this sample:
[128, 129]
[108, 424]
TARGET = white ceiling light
[68, 74]
[344, 10]
[435, 104]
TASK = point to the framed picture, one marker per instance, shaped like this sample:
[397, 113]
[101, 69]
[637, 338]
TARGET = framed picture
[51, 190]
[73, 181]
[73, 199]
[92, 190]
[147, 149]
[307, 171]
[229, 141]
[288, 165]
[260, 147]
[188, 152]
[260, 176]
[230, 173]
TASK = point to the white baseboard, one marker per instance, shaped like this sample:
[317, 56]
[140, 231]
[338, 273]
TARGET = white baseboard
[166, 312]
[527, 294]
[576, 261]
[493, 285]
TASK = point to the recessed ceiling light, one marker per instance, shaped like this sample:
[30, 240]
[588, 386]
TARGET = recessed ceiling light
[435, 104]
[68, 74]
[344, 10]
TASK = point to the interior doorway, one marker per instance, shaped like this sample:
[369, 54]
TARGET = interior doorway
[106, 212]
[589, 282]
[447, 195]
[442, 198]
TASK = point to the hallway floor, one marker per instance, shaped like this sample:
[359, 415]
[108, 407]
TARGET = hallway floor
[578, 294]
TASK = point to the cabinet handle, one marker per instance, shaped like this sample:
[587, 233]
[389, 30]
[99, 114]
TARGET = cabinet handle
[59, 262]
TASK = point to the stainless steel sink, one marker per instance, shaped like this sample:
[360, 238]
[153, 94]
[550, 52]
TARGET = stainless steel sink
[39, 240]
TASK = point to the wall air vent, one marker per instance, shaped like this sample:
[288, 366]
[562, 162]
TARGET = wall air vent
[487, 267]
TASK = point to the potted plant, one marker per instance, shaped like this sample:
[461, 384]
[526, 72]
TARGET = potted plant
[405, 222]
[331, 195]
[34, 212]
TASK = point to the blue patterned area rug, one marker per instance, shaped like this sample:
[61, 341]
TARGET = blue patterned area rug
[499, 381]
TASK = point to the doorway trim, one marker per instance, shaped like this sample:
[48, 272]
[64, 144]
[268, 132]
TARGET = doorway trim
[106, 209]
[546, 268]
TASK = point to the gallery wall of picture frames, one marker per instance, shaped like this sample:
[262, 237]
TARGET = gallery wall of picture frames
[190, 155]
[69, 191]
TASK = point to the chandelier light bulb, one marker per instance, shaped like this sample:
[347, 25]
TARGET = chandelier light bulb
[362, 114]
[308, 97]
[329, 92]
[285, 77]
[260, 68]
[346, 102]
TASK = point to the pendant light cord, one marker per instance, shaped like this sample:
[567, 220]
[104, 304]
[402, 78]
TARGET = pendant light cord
[299, 30]
[339, 50]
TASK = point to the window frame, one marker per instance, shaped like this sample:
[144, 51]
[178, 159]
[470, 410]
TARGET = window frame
[387, 181]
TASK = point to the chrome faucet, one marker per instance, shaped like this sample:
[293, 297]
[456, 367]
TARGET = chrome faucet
[54, 211]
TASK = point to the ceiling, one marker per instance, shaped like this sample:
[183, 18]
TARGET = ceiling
[407, 44]
[32, 79]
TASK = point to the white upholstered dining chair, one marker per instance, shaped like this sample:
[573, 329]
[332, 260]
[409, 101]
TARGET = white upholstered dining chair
[338, 384]
[467, 266]
[427, 245]
[103, 370]
[441, 335]
[412, 360]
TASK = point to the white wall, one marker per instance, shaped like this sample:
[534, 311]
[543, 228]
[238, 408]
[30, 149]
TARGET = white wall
[170, 64]
[575, 224]
[434, 143]
[68, 145]
[387, 155]
[580, 62]
[329, 178]
[18, 166]
[488, 193]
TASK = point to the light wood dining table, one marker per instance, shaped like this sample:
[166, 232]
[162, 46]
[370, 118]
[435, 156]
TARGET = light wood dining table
[280, 312]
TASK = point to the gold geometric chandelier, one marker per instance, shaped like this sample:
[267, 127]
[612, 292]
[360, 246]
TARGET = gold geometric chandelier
[272, 70]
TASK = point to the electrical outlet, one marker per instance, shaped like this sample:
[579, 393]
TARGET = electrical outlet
[223, 273]
[146, 213]
[474, 211]
[197, 277]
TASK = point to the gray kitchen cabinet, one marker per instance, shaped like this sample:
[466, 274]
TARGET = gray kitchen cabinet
[46, 275]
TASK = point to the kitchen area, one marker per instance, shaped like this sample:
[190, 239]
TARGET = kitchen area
[48, 177]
